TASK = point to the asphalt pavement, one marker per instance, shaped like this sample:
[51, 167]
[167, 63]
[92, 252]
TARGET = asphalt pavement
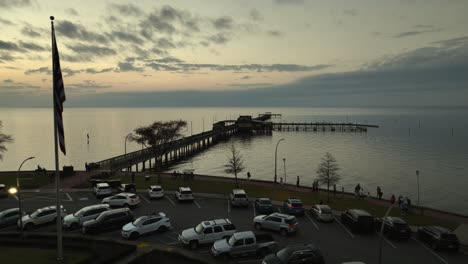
[337, 243]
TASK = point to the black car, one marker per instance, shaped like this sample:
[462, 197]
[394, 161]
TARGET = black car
[394, 227]
[127, 187]
[306, 254]
[108, 220]
[439, 237]
[358, 220]
[3, 190]
[264, 206]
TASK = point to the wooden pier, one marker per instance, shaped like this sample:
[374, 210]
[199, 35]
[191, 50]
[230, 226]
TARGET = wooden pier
[164, 154]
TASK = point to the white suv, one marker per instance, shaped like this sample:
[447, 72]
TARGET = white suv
[207, 232]
[122, 199]
[184, 194]
[146, 224]
[41, 216]
[102, 189]
[238, 197]
[73, 221]
[155, 191]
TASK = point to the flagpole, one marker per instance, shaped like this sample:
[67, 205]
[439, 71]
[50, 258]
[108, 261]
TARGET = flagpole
[57, 174]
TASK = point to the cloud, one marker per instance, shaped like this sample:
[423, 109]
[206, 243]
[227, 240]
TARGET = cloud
[424, 26]
[92, 50]
[6, 22]
[31, 46]
[219, 38]
[96, 71]
[351, 12]
[125, 36]
[246, 77]
[14, 3]
[416, 32]
[38, 70]
[128, 66]
[78, 32]
[290, 2]
[165, 43]
[72, 11]
[255, 15]
[223, 23]
[275, 33]
[86, 85]
[4, 57]
[127, 10]
[30, 32]
[8, 81]
[168, 60]
[9, 46]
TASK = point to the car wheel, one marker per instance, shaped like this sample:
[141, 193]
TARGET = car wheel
[74, 226]
[193, 244]
[29, 226]
[162, 228]
[134, 235]
[258, 226]
[283, 232]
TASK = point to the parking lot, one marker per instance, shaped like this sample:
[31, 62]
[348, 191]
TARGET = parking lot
[336, 242]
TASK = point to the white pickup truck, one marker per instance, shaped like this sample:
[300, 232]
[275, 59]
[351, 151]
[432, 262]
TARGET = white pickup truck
[243, 244]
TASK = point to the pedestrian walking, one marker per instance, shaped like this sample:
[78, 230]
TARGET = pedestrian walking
[86, 166]
[357, 190]
[281, 181]
[392, 199]
[400, 201]
[248, 175]
[297, 182]
[379, 192]
[334, 190]
[408, 203]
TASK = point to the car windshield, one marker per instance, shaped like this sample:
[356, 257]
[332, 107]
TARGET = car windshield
[199, 229]
[231, 241]
[296, 204]
[283, 255]
[265, 202]
[104, 188]
[139, 220]
[133, 196]
[80, 212]
[240, 196]
[157, 189]
[186, 192]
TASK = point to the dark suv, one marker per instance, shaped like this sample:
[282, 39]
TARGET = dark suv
[358, 220]
[438, 237]
[306, 253]
[108, 220]
[394, 227]
[293, 206]
[127, 187]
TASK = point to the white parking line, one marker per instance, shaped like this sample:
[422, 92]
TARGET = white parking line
[69, 197]
[144, 198]
[313, 222]
[229, 206]
[430, 250]
[167, 197]
[195, 201]
[386, 240]
[344, 227]
[84, 199]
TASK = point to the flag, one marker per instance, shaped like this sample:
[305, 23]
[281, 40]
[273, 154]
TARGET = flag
[59, 92]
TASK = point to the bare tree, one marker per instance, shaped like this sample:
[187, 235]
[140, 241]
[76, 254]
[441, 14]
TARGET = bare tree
[3, 140]
[327, 172]
[235, 163]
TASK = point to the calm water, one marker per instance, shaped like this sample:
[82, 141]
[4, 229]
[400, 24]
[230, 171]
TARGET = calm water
[388, 156]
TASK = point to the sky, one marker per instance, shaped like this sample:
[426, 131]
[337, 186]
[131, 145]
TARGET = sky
[237, 53]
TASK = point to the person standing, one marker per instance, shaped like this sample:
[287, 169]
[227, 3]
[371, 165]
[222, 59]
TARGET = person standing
[297, 182]
[248, 176]
[379, 192]
[357, 190]
[392, 199]
[334, 190]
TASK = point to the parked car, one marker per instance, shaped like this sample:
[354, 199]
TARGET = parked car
[244, 243]
[264, 206]
[122, 199]
[184, 194]
[145, 225]
[358, 220]
[127, 187]
[207, 232]
[75, 220]
[238, 197]
[155, 191]
[283, 223]
[439, 238]
[102, 189]
[9, 217]
[3, 190]
[40, 217]
[108, 220]
[394, 227]
[293, 206]
[322, 213]
[306, 253]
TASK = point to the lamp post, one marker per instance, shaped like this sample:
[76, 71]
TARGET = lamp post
[125, 144]
[417, 180]
[276, 158]
[19, 196]
[284, 167]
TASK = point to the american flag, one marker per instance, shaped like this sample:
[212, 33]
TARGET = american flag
[59, 92]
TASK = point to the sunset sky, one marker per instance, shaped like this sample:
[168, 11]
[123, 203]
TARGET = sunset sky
[266, 52]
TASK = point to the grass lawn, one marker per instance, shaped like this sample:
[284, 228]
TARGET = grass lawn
[29, 181]
[280, 194]
[13, 255]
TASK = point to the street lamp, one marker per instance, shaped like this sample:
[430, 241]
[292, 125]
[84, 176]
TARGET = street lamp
[18, 194]
[284, 167]
[276, 157]
[417, 179]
